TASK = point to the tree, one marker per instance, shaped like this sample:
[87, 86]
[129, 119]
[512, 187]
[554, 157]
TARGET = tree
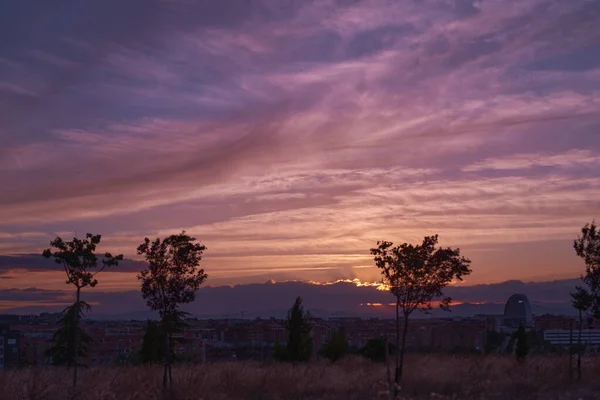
[172, 278]
[416, 276]
[80, 262]
[63, 350]
[336, 347]
[299, 326]
[522, 347]
[375, 350]
[582, 300]
[586, 298]
[587, 246]
[151, 350]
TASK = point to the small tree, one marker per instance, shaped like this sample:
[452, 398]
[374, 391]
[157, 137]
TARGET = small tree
[336, 348]
[587, 246]
[416, 275]
[80, 262]
[582, 301]
[63, 350]
[299, 326]
[151, 350]
[375, 350]
[586, 298]
[522, 347]
[172, 278]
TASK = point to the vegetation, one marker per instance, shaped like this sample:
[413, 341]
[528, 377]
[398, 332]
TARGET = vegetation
[417, 275]
[586, 298]
[299, 326]
[336, 348]
[587, 246]
[151, 351]
[374, 350]
[80, 262]
[172, 278]
[427, 377]
[63, 350]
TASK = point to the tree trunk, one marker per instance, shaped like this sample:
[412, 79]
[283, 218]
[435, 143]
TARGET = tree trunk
[76, 355]
[388, 375]
[170, 364]
[579, 347]
[166, 355]
[404, 331]
[397, 372]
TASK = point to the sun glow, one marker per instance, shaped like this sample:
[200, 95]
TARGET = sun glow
[355, 281]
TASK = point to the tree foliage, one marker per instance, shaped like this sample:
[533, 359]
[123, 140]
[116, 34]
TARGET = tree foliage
[416, 276]
[63, 350]
[587, 246]
[299, 326]
[172, 277]
[152, 341]
[79, 260]
[374, 350]
[336, 348]
[80, 263]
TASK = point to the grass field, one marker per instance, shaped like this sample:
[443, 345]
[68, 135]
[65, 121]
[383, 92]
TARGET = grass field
[426, 377]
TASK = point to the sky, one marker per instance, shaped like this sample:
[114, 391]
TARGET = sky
[290, 136]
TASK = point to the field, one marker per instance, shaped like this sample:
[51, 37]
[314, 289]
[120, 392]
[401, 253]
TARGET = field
[426, 377]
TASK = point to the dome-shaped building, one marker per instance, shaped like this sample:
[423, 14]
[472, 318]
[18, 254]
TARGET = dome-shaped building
[518, 312]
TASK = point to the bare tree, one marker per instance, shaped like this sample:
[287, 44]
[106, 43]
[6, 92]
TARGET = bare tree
[80, 262]
[172, 278]
[416, 276]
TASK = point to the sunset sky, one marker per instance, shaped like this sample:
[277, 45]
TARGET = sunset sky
[289, 136]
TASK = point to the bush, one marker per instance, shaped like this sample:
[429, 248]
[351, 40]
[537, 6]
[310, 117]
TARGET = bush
[336, 348]
[374, 350]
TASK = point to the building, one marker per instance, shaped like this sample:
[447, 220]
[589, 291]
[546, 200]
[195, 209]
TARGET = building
[517, 312]
[552, 322]
[9, 347]
[461, 334]
[564, 337]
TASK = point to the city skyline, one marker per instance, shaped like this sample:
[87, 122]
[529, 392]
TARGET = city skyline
[290, 137]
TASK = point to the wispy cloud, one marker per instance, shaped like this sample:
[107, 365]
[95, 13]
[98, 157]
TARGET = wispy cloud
[570, 159]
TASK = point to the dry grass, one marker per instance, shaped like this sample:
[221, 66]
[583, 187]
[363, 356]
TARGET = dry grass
[449, 377]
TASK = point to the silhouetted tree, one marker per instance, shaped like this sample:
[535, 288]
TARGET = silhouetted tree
[172, 278]
[416, 276]
[582, 301]
[80, 263]
[336, 347]
[63, 350]
[374, 350]
[151, 350]
[299, 327]
[522, 347]
[587, 246]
